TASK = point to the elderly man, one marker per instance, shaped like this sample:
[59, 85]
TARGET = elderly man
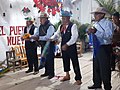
[69, 34]
[43, 34]
[102, 31]
[30, 45]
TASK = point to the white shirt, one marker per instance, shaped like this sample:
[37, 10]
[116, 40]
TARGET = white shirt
[74, 35]
[104, 31]
[28, 29]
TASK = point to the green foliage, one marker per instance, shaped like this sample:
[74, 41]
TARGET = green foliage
[57, 25]
[82, 31]
[109, 5]
[118, 9]
[77, 23]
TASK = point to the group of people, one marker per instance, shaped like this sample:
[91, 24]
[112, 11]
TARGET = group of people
[46, 32]
[102, 31]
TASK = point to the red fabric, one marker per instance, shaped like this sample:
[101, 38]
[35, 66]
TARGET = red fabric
[63, 29]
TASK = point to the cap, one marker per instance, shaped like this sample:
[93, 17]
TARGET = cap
[66, 14]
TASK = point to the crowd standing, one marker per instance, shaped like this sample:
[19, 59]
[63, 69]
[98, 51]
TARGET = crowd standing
[102, 32]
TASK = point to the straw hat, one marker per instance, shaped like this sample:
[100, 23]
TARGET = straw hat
[43, 15]
[100, 10]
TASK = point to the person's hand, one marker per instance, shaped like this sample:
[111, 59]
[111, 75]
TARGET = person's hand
[64, 47]
[88, 32]
[27, 39]
[50, 40]
[36, 38]
[22, 39]
[92, 30]
[26, 36]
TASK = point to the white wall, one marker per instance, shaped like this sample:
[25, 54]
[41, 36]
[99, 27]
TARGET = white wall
[83, 14]
[14, 17]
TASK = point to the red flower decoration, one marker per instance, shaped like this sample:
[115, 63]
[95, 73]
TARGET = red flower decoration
[52, 4]
[53, 11]
[49, 10]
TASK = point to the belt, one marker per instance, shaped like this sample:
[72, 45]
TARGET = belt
[106, 45]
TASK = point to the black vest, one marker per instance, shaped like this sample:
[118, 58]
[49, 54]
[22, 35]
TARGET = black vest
[43, 28]
[29, 44]
[67, 35]
[43, 31]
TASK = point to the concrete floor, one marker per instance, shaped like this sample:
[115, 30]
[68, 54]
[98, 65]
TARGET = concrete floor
[19, 80]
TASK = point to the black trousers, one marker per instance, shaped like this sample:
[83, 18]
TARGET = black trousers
[102, 67]
[32, 58]
[113, 61]
[71, 53]
[49, 63]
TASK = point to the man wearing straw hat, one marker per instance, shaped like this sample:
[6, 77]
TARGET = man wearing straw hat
[69, 34]
[30, 46]
[43, 34]
[103, 31]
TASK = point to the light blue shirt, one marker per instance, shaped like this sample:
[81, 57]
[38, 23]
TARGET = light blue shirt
[49, 33]
[104, 31]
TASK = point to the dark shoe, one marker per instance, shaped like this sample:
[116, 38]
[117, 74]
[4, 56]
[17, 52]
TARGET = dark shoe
[44, 75]
[28, 71]
[36, 72]
[51, 76]
[94, 87]
[41, 66]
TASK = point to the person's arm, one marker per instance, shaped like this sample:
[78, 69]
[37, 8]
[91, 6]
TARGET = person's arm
[22, 33]
[50, 32]
[34, 37]
[107, 32]
[36, 34]
[56, 34]
[74, 35]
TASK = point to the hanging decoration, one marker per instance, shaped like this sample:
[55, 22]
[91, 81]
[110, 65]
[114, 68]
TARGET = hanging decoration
[10, 5]
[26, 10]
[51, 6]
[53, 11]
[77, 8]
[4, 14]
[49, 10]
[34, 5]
